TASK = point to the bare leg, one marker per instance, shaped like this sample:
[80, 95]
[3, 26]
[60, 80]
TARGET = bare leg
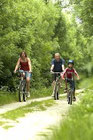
[53, 84]
[60, 82]
[28, 84]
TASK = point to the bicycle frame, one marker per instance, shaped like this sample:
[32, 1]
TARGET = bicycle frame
[70, 92]
[22, 87]
[57, 85]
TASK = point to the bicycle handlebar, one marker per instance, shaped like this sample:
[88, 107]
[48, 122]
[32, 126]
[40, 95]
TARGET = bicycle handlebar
[56, 72]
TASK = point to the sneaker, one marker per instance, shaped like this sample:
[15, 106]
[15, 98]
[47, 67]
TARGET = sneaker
[28, 94]
[74, 99]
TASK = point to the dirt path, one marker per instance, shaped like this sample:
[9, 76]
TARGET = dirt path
[36, 124]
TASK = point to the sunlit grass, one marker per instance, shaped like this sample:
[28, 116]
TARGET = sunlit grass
[86, 83]
[6, 97]
[2, 123]
[22, 111]
[8, 126]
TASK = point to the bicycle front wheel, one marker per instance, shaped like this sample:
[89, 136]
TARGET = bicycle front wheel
[56, 93]
[70, 96]
[24, 97]
[20, 94]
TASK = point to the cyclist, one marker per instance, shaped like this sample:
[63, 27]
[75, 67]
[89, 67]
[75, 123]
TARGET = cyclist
[68, 75]
[56, 66]
[24, 65]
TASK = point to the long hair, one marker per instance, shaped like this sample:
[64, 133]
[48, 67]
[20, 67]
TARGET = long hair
[22, 53]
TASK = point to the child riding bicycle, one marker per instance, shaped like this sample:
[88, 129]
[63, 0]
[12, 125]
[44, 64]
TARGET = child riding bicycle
[68, 75]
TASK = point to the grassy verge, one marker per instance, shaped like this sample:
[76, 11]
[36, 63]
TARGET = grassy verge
[79, 123]
[6, 97]
[86, 83]
[22, 111]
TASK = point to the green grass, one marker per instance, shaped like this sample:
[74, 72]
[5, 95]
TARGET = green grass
[2, 123]
[8, 126]
[79, 123]
[22, 111]
[42, 92]
[86, 83]
[6, 97]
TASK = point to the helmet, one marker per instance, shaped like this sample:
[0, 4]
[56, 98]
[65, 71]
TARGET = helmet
[71, 62]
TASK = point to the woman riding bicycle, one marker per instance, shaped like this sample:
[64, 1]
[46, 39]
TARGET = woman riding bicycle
[24, 66]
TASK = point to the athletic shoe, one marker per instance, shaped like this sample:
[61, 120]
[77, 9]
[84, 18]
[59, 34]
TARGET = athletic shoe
[28, 94]
[74, 99]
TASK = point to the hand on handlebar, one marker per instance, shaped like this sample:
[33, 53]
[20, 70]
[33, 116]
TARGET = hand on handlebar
[63, 78]
[78, 78]
[14, 71]
[51, 71]
[30, 71]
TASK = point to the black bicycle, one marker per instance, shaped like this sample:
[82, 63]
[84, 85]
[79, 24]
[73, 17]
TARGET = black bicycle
[22, 87]
[70, 92]
[57, 85]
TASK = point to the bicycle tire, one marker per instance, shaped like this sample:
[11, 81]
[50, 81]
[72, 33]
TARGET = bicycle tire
[55, 93]
[20, 95]
[24, 97]
[71, 98]
[69, 93]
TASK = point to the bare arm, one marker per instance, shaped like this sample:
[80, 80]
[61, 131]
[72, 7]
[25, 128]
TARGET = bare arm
[76, 74]
[17, 65]
[63, 68]
[29, 63]
[52, 67]
[64, 74]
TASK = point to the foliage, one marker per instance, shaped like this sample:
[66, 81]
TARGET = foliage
[42, 29]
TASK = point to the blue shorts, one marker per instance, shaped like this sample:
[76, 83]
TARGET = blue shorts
[27, 73]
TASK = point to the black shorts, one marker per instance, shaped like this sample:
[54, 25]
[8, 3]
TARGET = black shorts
[71, 83]
[55, 76]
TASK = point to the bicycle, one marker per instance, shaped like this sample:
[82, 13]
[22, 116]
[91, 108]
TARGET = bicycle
[70, 91]
[22, 87]
[57, 85]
